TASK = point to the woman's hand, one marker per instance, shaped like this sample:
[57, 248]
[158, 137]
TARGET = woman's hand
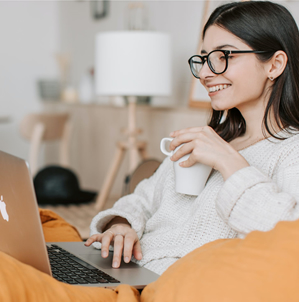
[207, 147]
[124, 240]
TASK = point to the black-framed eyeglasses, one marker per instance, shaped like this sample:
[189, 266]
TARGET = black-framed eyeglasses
[217, 60]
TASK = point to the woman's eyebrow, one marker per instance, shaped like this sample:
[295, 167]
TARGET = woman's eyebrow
[219, 48]
[225, 46]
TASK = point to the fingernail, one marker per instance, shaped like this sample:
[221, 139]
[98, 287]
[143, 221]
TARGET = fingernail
[105, 254]
[127, 259]
[115, 264]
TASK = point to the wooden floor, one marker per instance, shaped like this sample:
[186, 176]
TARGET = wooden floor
[80, 215]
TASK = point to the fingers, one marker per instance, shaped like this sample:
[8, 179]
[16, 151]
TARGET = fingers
[186, 130]
[105, 238]
[189, 162]
[125, 243]
[186, 137]
[118, 250]
[132, 245]
[128, 247]
[106, 242]
[137, 252]
[192, 141]
[92, 239]
[185, 149]
[182, 139]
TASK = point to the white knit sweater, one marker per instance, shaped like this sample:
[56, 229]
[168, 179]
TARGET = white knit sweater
[170, 225]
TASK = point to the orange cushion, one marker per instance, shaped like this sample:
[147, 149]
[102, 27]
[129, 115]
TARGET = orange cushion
[56, 228]
[262, 267]
[22, 283]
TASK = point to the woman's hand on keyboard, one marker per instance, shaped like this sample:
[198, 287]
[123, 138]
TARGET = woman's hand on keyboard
[124, 240]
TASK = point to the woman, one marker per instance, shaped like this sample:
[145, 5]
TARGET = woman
[249, 64]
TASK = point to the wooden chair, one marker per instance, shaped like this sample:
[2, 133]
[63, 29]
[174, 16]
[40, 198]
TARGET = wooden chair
[144, 170]
[39, 127]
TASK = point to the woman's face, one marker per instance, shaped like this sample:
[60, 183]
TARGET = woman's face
[245, 79]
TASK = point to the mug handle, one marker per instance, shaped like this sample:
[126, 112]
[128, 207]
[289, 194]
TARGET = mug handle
[162, 146]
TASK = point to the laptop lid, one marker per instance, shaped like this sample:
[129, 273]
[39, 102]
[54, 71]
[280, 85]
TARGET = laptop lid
[21, 233]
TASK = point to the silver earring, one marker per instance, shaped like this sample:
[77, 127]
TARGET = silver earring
[271, 78]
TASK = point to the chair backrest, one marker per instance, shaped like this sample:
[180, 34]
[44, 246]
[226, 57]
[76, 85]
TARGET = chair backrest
[39, 127]
[144, 170]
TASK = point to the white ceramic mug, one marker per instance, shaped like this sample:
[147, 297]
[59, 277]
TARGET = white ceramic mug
[188, 180]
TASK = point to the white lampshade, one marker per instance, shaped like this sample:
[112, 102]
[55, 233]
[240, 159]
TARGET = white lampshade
[133, 63]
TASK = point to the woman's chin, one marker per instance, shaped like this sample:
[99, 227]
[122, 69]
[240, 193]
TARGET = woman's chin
[220, 105]
[217, 107]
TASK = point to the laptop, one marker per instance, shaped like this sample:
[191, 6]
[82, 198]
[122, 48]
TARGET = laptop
[22, 237]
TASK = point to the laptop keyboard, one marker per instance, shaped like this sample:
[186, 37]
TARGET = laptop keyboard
[68, 268]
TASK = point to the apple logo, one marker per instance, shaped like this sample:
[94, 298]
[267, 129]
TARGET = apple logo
[3, 209]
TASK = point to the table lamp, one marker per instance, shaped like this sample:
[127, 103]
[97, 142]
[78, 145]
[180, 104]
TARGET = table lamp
[130, 64]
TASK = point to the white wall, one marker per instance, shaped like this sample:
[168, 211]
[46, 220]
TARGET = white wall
[28, 41]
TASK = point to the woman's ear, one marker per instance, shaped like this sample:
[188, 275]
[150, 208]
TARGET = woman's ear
[277, 64]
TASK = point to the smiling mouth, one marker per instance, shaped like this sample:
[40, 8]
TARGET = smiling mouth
[218, 87]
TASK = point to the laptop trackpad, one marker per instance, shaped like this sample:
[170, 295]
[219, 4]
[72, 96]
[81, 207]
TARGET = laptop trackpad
[105, 263]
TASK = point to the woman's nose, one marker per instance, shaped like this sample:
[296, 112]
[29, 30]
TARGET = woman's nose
[205, 71]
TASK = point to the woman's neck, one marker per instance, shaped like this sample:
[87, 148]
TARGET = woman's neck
[255, 129]
[254, 123]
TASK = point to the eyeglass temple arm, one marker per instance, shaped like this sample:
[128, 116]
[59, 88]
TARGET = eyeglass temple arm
[244, 51]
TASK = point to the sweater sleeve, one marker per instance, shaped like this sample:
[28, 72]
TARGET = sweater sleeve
[250, 200]
[137, 208]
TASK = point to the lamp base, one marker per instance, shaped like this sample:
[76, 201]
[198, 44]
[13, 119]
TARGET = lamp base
[146, 100]
[134, 147]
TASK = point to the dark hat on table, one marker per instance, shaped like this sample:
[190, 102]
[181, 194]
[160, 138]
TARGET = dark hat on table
[58, 185]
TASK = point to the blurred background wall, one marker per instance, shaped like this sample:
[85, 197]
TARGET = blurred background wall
[29, 38]
[181, 19]
[33, 32]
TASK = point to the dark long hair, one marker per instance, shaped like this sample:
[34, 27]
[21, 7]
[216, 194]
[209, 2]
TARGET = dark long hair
[268, 26]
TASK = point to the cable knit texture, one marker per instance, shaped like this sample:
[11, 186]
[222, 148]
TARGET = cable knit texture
[170, 225]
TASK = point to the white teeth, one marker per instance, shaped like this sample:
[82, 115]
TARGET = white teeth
[218, 87]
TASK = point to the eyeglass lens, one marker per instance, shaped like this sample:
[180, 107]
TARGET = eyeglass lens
[216, 61]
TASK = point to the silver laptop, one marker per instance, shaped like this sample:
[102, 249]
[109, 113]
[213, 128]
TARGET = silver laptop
[22, 237]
